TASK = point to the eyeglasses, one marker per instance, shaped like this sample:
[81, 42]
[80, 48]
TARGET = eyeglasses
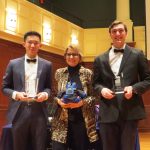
[31, 42]
[72, 54]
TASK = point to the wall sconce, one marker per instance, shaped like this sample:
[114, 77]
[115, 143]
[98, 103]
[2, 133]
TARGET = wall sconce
[11, 20]
[74, 40]
[47, 33]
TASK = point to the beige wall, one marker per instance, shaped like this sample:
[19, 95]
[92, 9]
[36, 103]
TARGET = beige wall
[147, 4]
[31, 17]
[96, 41]
[139, 37]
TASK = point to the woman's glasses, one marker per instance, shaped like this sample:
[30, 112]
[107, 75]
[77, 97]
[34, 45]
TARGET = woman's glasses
[72, 54]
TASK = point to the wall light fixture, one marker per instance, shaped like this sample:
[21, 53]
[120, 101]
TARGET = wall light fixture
[11, 20]
[47, 33]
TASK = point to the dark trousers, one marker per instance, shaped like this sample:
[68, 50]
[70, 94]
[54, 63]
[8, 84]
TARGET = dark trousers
[120, 135]
[77, 138]
[59, 146]
[29, 128]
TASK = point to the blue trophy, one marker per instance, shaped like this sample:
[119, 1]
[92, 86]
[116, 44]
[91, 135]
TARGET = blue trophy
[72, 95]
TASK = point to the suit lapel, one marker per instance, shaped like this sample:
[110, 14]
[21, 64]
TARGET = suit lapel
[125, 57]
[106, 62]
[22, 71]
[39, 69]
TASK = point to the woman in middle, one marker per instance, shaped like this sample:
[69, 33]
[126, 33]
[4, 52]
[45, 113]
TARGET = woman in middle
[73, 124]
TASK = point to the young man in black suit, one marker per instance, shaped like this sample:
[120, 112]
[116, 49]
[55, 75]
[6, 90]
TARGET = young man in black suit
[27, 83]
[121, 76]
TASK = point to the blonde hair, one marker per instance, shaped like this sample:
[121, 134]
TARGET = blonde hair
[73, 48]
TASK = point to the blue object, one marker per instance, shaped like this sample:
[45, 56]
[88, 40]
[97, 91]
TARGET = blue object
[72, 94]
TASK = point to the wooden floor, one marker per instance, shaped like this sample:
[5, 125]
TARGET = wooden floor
[144, 140]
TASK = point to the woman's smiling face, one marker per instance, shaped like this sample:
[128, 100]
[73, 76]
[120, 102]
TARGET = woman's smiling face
[72, 57]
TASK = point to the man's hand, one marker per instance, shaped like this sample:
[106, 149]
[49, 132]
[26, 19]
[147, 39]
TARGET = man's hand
[107, 93]
[41, 97]
[21, 96]
[128, 92]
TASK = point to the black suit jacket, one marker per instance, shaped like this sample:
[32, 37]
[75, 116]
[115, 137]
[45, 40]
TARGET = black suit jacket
[14, 80]
[136, 73]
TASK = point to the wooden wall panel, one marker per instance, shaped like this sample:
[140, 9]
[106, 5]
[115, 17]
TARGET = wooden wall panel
[144, 125]
[2, 118]
[10, 50]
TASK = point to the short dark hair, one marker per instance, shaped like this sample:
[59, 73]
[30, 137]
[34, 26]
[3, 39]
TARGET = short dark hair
[30, 33]
[117, 22]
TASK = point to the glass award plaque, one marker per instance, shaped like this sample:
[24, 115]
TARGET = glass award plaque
[118, 86]
[31, 88]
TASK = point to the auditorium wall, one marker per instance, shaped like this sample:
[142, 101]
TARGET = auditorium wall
[10, 50]
[31, 17]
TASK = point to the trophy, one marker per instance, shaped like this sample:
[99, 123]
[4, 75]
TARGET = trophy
[72, 94]
[31, 86]
[118, 85]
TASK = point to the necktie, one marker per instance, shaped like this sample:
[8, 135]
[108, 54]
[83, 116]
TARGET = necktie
[118, 50]
[31, 60]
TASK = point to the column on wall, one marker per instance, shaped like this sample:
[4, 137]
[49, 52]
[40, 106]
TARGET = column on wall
[123, 14]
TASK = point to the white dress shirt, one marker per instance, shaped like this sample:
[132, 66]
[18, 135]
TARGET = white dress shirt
[115, 60]
[31, 80]
[30, 72]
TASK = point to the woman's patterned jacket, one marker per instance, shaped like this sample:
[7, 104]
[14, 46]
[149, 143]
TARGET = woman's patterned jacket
[60, 119]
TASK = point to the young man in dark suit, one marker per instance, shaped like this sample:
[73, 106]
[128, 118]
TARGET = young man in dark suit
[27, 83]
[121, 76]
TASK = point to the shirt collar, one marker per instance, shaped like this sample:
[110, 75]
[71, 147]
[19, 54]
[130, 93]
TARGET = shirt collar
[119, 48]
[26, 57]
[112, 48]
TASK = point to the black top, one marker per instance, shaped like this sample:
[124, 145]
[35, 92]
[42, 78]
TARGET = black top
[75, 114]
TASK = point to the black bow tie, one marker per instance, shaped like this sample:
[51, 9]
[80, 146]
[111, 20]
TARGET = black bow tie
[31, 60]
[118, 50]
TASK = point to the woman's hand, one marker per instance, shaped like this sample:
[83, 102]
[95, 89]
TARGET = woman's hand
[70, 105]
[76, 105]
[63, 105]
